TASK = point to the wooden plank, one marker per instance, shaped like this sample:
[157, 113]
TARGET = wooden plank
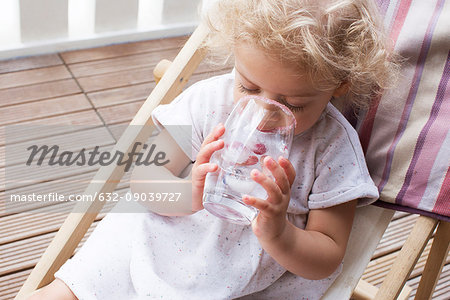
[395, 235]
[408, 256]
[378, 268]
[207, 74]
[400, 214]
[206, 69]
[36, 174]
[10, 284]
[27, 77]
[118, 64]
[64, 186]
[125, 112]
[442, 290]
[364, 291]
[38, 222]
[138, 92]
[114, 80]
[43, 108]
[24, 94]
[118, 129]
[120, 113]
[32, 62]
[83, 138]
[72, 185]
[119, 50]
[53, 126]
[21, 255]
[85, 118]
[436, 259]
[121, 95]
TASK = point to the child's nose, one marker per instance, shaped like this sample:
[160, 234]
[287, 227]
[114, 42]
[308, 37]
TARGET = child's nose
[269, 106]
[270, 96]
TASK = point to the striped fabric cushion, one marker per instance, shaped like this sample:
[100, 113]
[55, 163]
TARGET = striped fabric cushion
[406, 135]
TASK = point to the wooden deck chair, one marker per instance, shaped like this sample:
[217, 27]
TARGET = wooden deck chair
[370, 222]
[171, 77]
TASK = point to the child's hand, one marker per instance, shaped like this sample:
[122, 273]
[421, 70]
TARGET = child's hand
[271, 220]
[202, 165]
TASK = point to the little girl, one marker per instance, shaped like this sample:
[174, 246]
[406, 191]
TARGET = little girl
[303, 54]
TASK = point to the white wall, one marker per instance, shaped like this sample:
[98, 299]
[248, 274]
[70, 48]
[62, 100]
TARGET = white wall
[31, 27]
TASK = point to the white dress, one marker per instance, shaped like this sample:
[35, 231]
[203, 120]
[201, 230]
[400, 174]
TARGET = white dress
[148, 256]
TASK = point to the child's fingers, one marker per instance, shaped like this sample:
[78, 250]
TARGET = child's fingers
[216, 133]
[264, 206]
[257, 203]
[278, 173]
[207, 151]
[272, 189]
[288, 169]
[210, 145]
[202, 170]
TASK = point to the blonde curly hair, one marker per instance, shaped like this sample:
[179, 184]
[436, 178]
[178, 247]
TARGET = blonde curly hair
[333, 42]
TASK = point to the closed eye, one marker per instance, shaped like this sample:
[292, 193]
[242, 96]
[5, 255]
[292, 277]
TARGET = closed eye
[292, 107]
[245, 90]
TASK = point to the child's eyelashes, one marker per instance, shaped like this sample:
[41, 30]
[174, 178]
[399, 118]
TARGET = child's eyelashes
[245, 90]
[292, 107]
[283, 101]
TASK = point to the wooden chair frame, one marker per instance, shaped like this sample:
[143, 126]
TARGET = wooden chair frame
[367, 218]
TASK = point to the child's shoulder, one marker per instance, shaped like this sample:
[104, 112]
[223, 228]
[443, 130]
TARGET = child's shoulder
[209, 96]
[335, 124]
[333, 133]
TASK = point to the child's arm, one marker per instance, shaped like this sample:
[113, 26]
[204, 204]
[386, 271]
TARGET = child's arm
[191, 200]
[164, 143]
[314, 252]
[56, 290]
[143, 177]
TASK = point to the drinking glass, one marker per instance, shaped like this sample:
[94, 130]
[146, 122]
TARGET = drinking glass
[257, 127]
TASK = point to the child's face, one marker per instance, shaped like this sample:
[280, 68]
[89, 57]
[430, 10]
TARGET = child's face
[257, 74]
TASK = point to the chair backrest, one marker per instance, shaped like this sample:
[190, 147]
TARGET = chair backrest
[406, 135]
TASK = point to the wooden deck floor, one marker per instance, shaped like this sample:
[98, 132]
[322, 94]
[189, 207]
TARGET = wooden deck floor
[103, 88]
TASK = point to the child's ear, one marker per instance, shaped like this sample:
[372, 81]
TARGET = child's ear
[341, 90]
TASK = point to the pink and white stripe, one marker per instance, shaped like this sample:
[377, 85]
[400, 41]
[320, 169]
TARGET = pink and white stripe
[406, 135]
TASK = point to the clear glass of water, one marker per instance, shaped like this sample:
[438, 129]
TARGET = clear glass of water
[257, 127]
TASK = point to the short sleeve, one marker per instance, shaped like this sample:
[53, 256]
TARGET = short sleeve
[178, 119]
[341, 173]
[193, 114]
